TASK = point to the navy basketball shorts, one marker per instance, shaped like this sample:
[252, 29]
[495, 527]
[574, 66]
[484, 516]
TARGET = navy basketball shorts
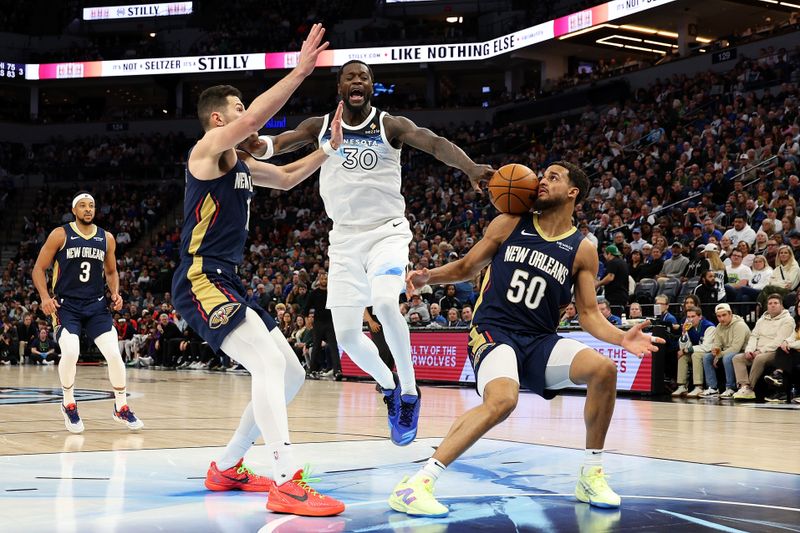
[74, 316]
[210, 296]
[542, 360]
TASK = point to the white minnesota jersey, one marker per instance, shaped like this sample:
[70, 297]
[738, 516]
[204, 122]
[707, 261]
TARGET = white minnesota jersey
[363, 187]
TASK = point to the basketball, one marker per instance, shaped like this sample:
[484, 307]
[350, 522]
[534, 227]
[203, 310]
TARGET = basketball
[513, 188]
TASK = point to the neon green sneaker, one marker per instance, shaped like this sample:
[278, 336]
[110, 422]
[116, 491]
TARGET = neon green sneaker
[593, 489]
[417, 499]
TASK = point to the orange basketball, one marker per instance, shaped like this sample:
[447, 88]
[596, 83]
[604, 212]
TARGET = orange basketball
[513, 189]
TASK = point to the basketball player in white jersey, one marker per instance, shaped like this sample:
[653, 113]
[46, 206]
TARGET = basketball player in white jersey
[370, 237]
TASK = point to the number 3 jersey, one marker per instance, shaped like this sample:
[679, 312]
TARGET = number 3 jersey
[78, 269]
[362, 188]
[529, 281]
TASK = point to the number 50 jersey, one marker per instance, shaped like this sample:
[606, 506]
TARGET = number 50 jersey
[362, 188]
[529, 280]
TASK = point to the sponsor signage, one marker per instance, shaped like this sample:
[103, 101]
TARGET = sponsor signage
[137, 11]
[332, 58]
[444, 356]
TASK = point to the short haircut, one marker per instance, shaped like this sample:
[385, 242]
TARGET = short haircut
[662, 298]
[603, 301]
[695, 310]
[214, 99]
[775, 296]
[577, 178]
[341, 70]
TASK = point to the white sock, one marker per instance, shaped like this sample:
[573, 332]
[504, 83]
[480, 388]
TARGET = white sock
[432, 469]
[69, 396]
[284, 465]
[385, 293]
[241, 441]
[593, 458]
[120, 398]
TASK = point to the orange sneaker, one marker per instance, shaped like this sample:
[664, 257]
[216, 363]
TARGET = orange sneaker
[297, 497]
[237, 477]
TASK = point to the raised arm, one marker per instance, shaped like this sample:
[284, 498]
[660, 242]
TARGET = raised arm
[218, 140]
[471, 264]
[287, 176]
[265, 146]
[589, 316]
[405, 131]
[47, 254]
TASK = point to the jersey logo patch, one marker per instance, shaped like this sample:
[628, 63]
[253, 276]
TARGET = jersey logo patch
[223, 315]
[477, 354]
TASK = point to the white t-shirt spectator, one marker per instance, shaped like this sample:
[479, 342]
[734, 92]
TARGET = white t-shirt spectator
[761, 277]
[747, 234]
[735, 274]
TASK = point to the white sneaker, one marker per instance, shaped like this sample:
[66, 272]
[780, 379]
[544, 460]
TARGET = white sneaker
[680, 391]
[327, 374]
[709, 393]
[6, 362]
[727, 395]
[744, 393]
[696, 392]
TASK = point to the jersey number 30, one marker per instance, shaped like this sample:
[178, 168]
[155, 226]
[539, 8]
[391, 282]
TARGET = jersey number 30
[523, 286]
[367, 159]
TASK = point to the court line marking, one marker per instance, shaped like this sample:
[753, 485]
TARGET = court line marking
[274, 524]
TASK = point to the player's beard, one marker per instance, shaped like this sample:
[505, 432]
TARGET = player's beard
[542, 204]
[355, 110]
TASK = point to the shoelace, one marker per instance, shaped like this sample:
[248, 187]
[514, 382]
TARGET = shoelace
[391, 406]
[126, 413]
[406, 413]
[305, 479]
[243, 469]
[72, 413]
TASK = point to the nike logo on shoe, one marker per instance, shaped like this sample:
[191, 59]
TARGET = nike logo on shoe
[301, 499]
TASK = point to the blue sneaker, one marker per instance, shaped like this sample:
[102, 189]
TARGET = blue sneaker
[126, 416]
[405, 429]
[72, 419]
[391, 397]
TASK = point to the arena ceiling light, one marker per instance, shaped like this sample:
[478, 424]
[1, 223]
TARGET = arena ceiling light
[607, 41]
[587, 30]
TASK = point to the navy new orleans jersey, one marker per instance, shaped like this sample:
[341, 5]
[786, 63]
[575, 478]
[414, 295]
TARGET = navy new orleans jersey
[206, 287]
[216, 214]
[529, 281]
[78, 270]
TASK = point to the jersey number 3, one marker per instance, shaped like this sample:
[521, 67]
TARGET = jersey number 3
[523, 286]
[86, 271]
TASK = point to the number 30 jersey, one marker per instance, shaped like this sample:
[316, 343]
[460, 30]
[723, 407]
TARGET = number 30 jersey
[362, 188]
[529, 281]
[78, 269]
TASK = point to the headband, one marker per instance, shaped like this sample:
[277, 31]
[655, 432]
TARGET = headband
[82, 196]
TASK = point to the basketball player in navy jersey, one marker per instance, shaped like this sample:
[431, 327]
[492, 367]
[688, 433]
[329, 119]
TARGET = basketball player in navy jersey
[369, 242]
[534, 262]
[209, 294]
[81, 254]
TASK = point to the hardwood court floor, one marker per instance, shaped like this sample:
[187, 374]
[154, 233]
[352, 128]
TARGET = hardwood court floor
[190, 409]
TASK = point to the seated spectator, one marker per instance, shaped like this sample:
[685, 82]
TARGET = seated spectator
[667, 320]
[652, 266]
[787, 357]
[449, 299]
[739, 277]
[453, 320]
[436, 316]
[605, 309]
[695, 343]
[569, 317]
[785, 276]
[415, 320]
[761, 273]
[466, 315]
[417, 305]
[635, 264]
[635, 311]
[730, 338]
[43, 349]
[8, 350]
[707, 291]
[675, 266]
[771, 330]
[740, 231]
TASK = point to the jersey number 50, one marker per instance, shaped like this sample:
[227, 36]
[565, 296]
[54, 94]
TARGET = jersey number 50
[523, 286]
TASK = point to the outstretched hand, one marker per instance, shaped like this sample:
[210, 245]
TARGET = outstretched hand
[640, 343]
[416, 279]
[337, 135]
[311, 50]
[479, 175]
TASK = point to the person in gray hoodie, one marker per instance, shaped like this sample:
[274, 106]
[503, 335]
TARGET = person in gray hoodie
[771, 329]
[730, 338]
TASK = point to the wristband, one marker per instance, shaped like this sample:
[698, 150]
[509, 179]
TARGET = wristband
[270, 147]
[328, 149]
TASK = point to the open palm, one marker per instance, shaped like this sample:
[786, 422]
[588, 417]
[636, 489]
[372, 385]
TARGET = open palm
[311, 50]
[639, 343]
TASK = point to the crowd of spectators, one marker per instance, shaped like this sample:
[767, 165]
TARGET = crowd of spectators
[678, 173]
